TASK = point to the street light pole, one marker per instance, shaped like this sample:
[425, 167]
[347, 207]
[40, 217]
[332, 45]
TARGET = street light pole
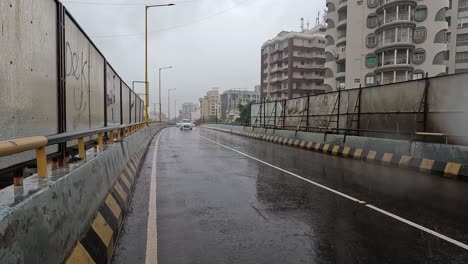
[146, 58]
[160, 69]
[169, 102]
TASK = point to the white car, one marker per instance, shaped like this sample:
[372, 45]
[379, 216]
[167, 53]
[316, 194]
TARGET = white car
[186, 124]
[178, 124]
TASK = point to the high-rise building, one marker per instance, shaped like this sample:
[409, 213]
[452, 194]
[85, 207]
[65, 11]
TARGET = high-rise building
[457, 35]
[372, 42]
[292, 64]
[231, 99]
[210, 105]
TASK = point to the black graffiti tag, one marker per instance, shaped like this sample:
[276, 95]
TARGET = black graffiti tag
[77, 67]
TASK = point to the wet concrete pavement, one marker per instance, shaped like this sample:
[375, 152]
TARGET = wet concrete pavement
[215, 205]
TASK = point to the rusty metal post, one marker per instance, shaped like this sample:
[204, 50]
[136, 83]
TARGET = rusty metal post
[119, 132]
[101, 142]
[111, 137]
[18, 177]
[41, 161]
[81, 148]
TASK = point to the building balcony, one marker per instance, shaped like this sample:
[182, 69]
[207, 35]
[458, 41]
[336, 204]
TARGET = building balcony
[340, 75]
[342, 4]
[390, 43]
[389, 3]
[342, 23]
[394, 67]
[396, 22]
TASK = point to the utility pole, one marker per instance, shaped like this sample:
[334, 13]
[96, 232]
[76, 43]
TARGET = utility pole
[147, 7]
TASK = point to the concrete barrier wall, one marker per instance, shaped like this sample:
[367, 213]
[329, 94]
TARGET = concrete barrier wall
[423, 150]
[42, 222]
[394, 108]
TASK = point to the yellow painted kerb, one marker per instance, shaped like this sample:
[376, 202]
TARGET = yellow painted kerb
[124, 179]
[102, 229]
[452, 169]
[325, 148]
[371, 155]
[387, 157]
[358, 153]
[121, 191]
[335, 150]
[426, 165]
[346, 151]
[80, 256]
[113, 206]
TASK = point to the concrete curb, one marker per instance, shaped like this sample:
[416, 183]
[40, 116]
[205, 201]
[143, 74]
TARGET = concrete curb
[97, 244]
[450, 170]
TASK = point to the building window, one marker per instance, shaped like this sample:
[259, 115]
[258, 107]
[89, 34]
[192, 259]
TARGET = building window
[462, 39]
[419, 56]
[370, 80]
[418, 75]
[372, 3]
[463, 22]
[420, 13]
[371, 60]
[372, 21]
[341, 67]
[461, 57]
[371, 41]
[462, 4]
[420, 35]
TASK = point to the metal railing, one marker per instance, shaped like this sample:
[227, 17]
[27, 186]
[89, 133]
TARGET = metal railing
[39, 143]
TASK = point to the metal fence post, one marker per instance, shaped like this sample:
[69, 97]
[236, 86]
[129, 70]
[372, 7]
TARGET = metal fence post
[61, 85]
[274, 117]
[359, 111]
[284, 114]
[338, 113]
[308, 113]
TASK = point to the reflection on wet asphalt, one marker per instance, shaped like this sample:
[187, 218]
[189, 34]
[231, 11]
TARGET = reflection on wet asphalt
[217, 206]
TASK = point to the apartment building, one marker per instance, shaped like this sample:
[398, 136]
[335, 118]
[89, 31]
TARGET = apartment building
[292, 64]
[371, 42]
[189, 110]
[457, 35]
[210, 105]
[231, 99]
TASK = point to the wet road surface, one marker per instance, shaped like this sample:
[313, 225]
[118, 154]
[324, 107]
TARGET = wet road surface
[249, 201]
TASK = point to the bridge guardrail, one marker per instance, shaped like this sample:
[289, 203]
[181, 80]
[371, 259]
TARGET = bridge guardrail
[39, 143]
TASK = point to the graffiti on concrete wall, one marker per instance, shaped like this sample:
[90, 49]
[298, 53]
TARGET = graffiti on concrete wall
[77, 73]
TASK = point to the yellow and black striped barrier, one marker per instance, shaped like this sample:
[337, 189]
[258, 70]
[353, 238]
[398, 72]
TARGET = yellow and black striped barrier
[97, 244]
[452, 170]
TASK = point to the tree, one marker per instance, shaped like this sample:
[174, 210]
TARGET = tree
[244, 114]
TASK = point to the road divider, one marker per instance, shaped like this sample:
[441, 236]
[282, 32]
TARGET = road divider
[452, 170]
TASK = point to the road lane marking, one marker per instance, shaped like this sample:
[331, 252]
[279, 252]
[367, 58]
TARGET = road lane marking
[403, 220]
[420, 227]
[151, 229]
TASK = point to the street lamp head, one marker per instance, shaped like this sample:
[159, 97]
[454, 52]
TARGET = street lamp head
[149, 6]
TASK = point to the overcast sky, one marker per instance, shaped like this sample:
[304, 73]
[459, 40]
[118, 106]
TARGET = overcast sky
[210, 43]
